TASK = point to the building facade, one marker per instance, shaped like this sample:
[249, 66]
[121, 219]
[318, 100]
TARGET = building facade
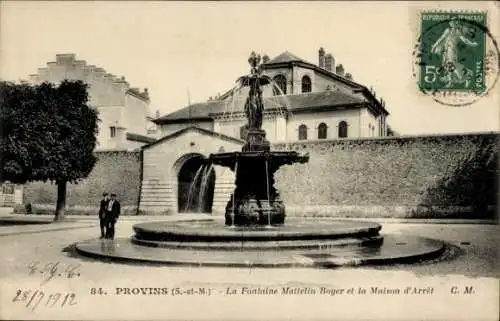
[123, 111]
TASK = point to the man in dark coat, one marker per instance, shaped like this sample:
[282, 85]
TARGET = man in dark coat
[102, 213]
[112, 214]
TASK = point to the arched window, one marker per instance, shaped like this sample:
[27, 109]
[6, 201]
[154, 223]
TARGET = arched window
[342, 129]
[302, 132]
[306, 84]
[279, 81]
[322, 131]
[243, 132]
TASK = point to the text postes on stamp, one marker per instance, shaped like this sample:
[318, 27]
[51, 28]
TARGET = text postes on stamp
[457, 58]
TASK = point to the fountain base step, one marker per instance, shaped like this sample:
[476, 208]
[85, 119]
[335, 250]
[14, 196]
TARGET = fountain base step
[263, 246]
[213, 231]
[395, 249]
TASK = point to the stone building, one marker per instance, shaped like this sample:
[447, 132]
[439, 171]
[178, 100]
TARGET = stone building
[123, 110]
[309, 102]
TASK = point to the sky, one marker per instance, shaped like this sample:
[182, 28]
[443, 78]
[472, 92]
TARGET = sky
[189, 51]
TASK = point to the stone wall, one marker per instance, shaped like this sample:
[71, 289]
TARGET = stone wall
[425, 176]
[115, 171]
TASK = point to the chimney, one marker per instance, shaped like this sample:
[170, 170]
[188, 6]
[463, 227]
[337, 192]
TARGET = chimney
[329, 62]
[348, 76]
[265, 59]
[321, 56]
[339, 70]
[157, 114]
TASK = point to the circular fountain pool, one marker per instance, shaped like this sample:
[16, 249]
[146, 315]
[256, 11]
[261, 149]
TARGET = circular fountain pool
[309, 243]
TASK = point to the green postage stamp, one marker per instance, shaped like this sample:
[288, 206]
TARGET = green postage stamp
[457, 59]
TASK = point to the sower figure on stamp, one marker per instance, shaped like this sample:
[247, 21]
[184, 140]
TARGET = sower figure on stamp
[448, 46]
[112, 214]
[102, 213]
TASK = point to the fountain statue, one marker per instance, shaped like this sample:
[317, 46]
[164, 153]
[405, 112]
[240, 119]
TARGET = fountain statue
[255, 200]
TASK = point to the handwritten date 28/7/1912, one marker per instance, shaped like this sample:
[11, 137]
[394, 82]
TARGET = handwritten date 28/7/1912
[53, 269]
[33, 298]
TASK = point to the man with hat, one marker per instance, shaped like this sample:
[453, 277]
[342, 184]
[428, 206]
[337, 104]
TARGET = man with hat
[102, 213]
[112, 214]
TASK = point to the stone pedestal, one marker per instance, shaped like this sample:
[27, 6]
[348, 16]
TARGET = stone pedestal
[253, 211]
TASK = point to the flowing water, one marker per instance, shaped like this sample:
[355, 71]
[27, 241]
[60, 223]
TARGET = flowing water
[198, 189]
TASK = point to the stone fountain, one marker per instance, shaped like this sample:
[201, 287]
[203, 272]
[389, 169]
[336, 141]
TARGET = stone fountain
[255, 201]
[254, 233]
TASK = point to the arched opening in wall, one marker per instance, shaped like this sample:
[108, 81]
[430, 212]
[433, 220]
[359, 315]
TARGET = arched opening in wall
[306, 84]
[343, 129]
[322, 131]
[196, 184]
[280, 82]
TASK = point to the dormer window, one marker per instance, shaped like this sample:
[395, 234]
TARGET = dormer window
[279, 87]
[306, 84]
[243, 132]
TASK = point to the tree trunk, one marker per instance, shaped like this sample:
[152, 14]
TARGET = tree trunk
[61, 200]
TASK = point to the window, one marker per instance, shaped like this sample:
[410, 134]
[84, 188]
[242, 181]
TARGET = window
[302, 132]
[280, 82]
[112, 131]
[322, 131]
[7, 188]
[306, 84]
[342, 129]
[243, 132]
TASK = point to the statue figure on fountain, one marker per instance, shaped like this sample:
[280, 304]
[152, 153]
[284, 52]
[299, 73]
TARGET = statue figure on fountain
[254, 106]
[255, 201]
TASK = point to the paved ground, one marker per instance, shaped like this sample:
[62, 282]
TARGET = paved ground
[472, 260]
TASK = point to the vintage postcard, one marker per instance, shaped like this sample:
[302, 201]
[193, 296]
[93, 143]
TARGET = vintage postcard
[260, 160]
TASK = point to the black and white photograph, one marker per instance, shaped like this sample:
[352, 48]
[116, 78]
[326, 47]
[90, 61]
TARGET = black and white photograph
[249, 160]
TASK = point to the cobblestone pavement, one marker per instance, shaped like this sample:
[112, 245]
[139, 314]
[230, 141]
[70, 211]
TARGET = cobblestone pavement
[473, 254]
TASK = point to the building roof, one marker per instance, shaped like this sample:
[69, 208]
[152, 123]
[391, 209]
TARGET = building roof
[293, 103]
[140, 138]
[283, 58]
[288, 59]
[196, 129]
[301, 102]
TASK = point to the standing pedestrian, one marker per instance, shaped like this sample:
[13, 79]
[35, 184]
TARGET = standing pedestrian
[112, 214]
[102, 213]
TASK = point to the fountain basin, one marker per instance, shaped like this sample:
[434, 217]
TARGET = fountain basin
[321, 249]
[213, 231]
[255, 201]
[275, 159]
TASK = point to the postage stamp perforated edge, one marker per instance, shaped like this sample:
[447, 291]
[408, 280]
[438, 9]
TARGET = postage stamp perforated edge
[490, 58]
